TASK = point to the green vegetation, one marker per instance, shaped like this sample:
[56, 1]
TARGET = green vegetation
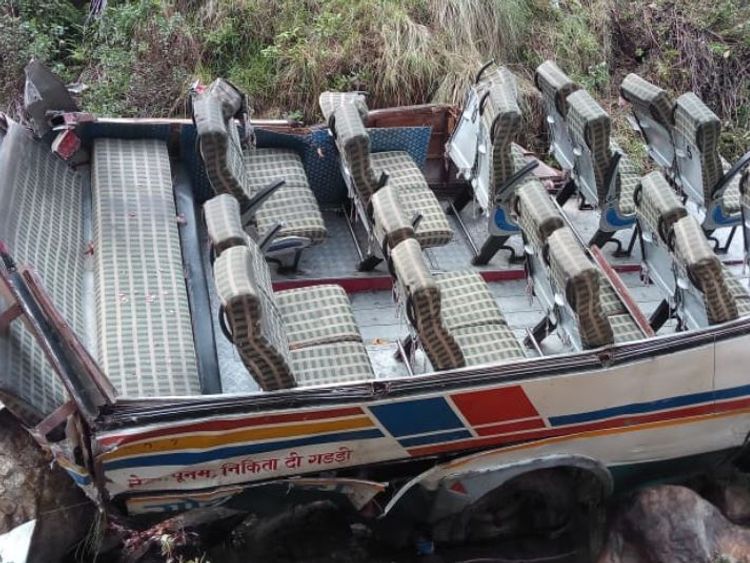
[139, 57]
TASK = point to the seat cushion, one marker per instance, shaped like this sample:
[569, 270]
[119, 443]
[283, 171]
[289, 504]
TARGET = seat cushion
[293, 204]
[145, 332]
[730, 201]
[467, 301]
[738, 292]
[489, 344]
[331, 364]
[316, 315]
[416, 196]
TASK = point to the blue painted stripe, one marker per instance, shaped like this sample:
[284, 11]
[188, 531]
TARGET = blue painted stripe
[651, 406]
[77, 477]
[435, 438]
[192, 458]
[418, 416]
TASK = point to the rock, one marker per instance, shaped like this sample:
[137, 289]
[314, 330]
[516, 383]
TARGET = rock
[729, 490]
[35, 489]
[672, 524]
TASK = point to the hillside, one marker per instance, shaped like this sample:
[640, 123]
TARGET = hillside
[137, 58]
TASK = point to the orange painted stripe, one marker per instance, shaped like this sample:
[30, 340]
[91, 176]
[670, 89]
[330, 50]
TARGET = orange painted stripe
[209, 441]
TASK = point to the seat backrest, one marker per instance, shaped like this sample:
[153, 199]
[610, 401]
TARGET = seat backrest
[658, 206]
[652, 107]
[347, 125]
[704, 270]
[233, 101]
[697, 130]
[499, 128]
[577, 279]
[555, 87]
[329, 101]
[745, 190]
[422, 295]
[391, 225]
[224, 223]
[538, 216]
[254, 321]
[220, 147]
[590, 130]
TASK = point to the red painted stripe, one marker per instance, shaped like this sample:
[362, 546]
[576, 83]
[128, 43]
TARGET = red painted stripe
[221, 425]
[578, 428]
[496, 429]
[494, 405]
[350, 285]
[383, 282]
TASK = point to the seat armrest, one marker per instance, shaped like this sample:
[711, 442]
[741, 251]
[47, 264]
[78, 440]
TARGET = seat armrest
[259, 198]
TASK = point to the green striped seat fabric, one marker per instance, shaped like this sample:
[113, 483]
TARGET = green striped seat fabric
[628, 180]
[590, 128]
[231, 99]
[243, 173]
[253, 318]
[144, 324]
[423, 306]
[577, 280]
[354, 147]
[41, 220]
[501, 123]
[738, 292]
[704, 269]
[223, 223]
[475, 321]
[555, 86]
[329, 101]
[415, 196]
[390, 223]
[538, 217]
[648, 99]
[659, 207]
[697, 131]
[320, 314]
[730, 200]
[745, 189]
[334, 363]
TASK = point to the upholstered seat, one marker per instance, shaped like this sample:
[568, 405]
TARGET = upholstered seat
[578, 279]
[321, 314]
[243, 173]
[648, 99]
[298, 337]
[415, 196]
[538, 215]
[704, 270]
[659, 207]
[145, 344]
[368, 172]
[590, 130]
[555, 86]
[457, 320]
[390, 222]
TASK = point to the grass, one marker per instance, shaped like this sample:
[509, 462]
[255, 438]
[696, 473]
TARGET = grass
[139, 56]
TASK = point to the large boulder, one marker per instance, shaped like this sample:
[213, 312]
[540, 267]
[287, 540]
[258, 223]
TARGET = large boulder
[672, 524]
